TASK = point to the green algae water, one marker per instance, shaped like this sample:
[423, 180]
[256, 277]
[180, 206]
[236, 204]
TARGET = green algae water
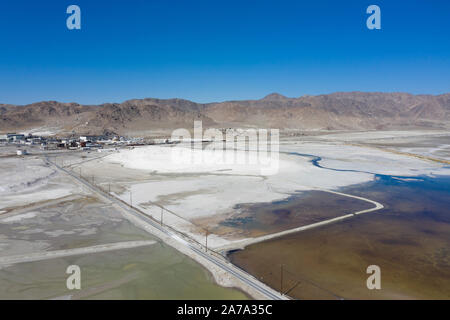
[153, 272]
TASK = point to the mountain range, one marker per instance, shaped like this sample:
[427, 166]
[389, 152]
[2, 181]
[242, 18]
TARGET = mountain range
[336, 111]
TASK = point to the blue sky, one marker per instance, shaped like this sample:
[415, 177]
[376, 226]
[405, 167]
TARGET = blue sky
[219, 50]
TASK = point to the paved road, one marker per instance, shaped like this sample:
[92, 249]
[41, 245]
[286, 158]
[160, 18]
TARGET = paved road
[195, 248]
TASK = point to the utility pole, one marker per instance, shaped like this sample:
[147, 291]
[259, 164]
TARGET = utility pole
[206, 240]
[131, 199]
[281, 280]
[162, 212]
[80, 172]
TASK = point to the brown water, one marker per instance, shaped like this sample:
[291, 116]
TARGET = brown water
[303, 208]
[409, 240]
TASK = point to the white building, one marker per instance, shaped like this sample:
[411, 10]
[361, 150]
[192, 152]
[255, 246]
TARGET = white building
[14, 137]
[88, 138]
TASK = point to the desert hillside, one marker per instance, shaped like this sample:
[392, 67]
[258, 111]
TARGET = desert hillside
[343, 110]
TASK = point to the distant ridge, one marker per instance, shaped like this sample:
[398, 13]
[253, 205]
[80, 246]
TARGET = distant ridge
[274, 97]
[336, 111]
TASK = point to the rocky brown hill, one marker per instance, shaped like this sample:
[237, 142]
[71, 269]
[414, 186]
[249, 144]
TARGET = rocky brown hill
[347, 110]
[342, 110]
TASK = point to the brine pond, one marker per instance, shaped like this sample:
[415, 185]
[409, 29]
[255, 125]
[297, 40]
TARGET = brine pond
[409, 240]
[156, 271]
[152, 272]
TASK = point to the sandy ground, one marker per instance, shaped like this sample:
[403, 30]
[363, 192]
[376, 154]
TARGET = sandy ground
[432, 143]
[43, 131]
[29, 180]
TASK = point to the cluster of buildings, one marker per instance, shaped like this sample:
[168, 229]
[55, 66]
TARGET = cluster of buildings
[51, 143]
[12, 138]
[100, 143]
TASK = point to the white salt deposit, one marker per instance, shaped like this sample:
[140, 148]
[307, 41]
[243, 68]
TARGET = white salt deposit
[19, 217]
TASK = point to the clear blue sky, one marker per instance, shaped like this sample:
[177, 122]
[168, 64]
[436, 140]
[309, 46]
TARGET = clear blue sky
[217, 50]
